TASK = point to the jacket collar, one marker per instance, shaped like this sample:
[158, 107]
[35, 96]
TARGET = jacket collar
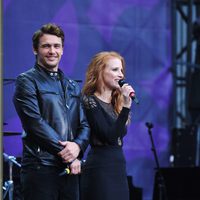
[50, 73]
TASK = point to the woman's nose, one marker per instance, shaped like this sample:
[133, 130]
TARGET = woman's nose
[121, 75]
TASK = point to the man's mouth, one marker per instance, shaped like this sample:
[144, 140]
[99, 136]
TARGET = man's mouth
[51, 58]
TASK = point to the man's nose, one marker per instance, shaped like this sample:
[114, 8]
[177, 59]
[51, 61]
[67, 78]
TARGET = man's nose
[51, 49]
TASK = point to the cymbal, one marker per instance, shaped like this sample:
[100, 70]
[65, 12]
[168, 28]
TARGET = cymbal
[11, 133]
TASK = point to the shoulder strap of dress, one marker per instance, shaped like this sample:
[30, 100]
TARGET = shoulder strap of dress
[89, 102]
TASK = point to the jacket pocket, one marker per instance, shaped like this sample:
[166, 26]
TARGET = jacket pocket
[48, 92]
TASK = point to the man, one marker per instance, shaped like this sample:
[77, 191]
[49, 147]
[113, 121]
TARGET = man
[56, 131]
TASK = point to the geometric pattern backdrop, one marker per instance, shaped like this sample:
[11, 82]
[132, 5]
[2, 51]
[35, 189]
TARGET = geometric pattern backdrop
[139, 30]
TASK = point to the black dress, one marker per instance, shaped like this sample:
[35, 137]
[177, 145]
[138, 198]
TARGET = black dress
[104, 174]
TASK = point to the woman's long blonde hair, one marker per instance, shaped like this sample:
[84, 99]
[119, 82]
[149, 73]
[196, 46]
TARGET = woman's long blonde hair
[95, 68]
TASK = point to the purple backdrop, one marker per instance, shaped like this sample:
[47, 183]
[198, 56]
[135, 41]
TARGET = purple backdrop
[138, 29]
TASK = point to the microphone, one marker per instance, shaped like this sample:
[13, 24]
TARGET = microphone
[149, 125]
[67, 170]
[134, 98]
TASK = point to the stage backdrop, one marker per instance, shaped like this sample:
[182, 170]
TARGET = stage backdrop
[138, 29]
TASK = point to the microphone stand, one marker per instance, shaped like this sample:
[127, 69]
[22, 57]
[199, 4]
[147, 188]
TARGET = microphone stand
[9, 185]
[161, 182]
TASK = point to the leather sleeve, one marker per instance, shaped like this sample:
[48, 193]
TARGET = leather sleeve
[27, 106]
[82, 138]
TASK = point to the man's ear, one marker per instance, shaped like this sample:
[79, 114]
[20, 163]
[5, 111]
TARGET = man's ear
[34, 51]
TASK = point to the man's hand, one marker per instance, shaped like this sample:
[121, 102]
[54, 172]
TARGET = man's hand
[70, 152]
[75, 167]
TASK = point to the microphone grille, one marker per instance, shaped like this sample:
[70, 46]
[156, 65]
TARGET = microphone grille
[121, 82]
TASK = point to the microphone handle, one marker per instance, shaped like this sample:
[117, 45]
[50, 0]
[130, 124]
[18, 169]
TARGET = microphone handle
[134, 98]
[67, 170]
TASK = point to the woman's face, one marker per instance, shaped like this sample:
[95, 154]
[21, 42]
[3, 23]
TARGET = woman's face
[112, 73]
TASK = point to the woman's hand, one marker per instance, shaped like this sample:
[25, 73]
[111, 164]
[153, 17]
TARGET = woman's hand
[127, 92]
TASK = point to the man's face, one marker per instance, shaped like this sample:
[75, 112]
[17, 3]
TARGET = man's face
[49, 53]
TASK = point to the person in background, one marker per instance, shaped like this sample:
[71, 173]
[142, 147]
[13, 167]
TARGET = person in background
[107, 107]
[56, 131]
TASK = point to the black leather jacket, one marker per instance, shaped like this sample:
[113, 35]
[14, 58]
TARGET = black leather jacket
[48, 114]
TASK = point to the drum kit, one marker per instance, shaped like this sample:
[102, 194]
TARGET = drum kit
[8, 187]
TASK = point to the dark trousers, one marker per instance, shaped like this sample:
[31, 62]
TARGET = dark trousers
[44, 183]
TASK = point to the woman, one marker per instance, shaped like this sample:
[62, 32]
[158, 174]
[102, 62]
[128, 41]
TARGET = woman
[107, 107]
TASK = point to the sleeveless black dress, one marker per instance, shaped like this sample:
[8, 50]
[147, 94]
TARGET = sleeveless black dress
[104, 174]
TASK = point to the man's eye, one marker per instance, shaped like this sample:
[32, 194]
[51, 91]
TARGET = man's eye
[57, 46]
[46, 46]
